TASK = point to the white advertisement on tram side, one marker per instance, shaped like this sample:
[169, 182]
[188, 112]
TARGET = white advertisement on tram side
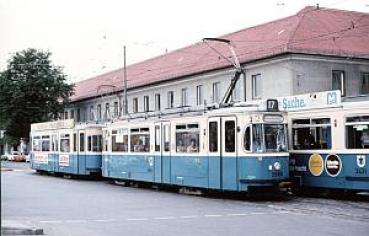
[64, 160]
[41, 158]
[309, 101]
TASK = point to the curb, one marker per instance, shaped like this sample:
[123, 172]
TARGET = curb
[21, 231]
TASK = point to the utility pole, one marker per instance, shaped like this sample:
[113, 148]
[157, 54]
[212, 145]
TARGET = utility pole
[125, 99]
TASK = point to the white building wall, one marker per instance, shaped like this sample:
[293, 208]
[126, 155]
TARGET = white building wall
[281, 76]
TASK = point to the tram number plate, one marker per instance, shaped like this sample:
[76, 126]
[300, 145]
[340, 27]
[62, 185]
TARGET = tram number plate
[272, 105]
[361, 171]
[277, 174]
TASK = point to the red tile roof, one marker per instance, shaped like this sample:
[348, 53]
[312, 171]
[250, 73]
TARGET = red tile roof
[311, 31]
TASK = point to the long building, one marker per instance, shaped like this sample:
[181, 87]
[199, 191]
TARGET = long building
[317, 49]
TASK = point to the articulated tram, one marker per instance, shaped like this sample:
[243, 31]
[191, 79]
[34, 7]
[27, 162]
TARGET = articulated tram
[63, 147]
[329, 148]
[230, 149]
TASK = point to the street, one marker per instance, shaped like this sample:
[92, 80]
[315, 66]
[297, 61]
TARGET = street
[87, 207]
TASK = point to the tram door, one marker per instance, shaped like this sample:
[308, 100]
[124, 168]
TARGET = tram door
[222, 141]
[162, 152]
[81, 151]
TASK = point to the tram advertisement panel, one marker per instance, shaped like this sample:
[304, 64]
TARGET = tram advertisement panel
[316, 164]
[333, 165]
[64, 160]
[41, 158]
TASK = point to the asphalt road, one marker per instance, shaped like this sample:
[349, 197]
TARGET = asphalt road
[83, 207]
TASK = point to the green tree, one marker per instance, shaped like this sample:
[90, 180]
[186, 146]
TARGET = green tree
[32, 90]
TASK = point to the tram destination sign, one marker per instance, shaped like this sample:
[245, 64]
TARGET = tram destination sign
[310, 101]
[60, 124]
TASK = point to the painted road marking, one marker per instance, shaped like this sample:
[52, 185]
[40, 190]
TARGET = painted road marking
[105, 220]
[237, 214]
[167, 217]
[214, 215]
[137, 219]
[51, 221]
[188, 217]
[164, 218]
[75, 221]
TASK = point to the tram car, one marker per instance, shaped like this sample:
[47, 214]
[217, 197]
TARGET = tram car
[330, 147]
[66, 148]
[228, 149]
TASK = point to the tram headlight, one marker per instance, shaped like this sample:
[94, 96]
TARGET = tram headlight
[277, 166]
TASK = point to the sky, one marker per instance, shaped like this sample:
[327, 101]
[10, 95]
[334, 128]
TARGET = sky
[86, 37]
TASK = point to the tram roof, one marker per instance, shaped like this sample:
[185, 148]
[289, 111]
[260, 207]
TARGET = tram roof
[312, 30]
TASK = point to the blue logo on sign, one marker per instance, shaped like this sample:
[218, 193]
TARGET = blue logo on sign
[331, 98]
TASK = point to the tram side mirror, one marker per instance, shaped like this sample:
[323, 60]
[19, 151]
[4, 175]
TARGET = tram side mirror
[238, 129]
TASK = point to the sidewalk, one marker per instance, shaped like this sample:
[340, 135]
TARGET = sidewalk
[11, 227]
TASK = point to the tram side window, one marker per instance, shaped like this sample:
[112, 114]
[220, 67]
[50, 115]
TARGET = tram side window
[247, 139]
[257, 138]
[140, 140]
[157, 138]
[357, 132]
[45, 143]
[275, 137]
[74, 142]
[64, 143]
[36, 143]
[213, 136]
[312, 134]
[119, 140]
[82, 142]
[230, 136]
[187, 138]
[166, 138]
[94, 143]
[54, 143]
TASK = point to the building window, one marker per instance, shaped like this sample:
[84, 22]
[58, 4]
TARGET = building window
[135, 105]
[365, 83]
[107, 110]
[99, 112]
[72, 114]
[115, 109]
[92, 117]
[157, 102]
[256, 86]
[78, 115]
[146, 104]
[216, 92]
[199, 95]
[84, 114]
[170, 99]
[184, 99]
[236, 93]
[339, 81]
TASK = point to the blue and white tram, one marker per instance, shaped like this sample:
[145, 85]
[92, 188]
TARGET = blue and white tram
[330, 147]
[63, 147]
[233, 149]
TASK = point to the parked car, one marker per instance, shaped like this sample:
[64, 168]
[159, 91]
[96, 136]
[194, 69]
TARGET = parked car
[17, 156]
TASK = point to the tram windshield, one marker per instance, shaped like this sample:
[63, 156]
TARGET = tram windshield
[269, 138]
